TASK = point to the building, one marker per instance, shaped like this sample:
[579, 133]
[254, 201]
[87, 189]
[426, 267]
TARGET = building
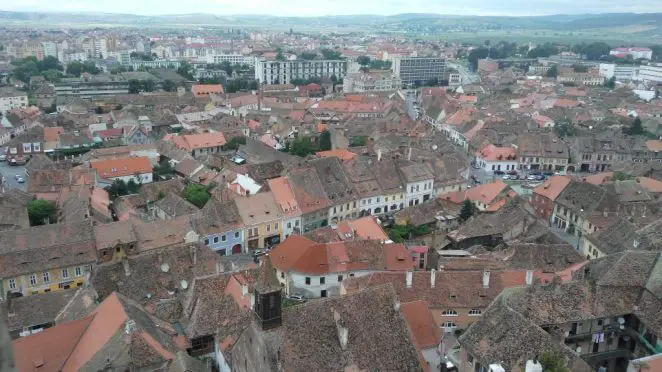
[488, 197]
[289, 208]
[651, 73]
[343, 198]
[419, 70]
[220, 227]
[317, 269]
[283, 72]
[311, 198]
[418, 181]
[49, 49]
[233, 59]
[492, 158]
[11, 98]
[47, 258]
[138, 169]
[599, 154]
[201, 90]
[374, 81]
[600, 320]
[542, 151]
[591, 77]
[543, 196]
[634, 52]
[262, 220]
[201, 143]
[92, 85]
[618, 72]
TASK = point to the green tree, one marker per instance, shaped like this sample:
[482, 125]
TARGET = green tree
[117, 188]
[553, 72]
[468, 210]
[363, 60]
[544, 50]
[636, 128]
[134, 86]
[325, 141]
[197, 195]
[331, 54]
[564, 128]
[307, 56]
[234, 143]
[49, 63]
[553, 362]
[185, 70]
[302, 146]
[39, 211]
[52, 75]
[169, 86]
[611, 83]
[227, 67]
[621, 176]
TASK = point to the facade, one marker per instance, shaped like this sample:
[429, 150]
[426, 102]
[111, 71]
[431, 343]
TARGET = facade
[262, 220]
[378, 81]
[283, 72]
[138, 169]
[599, 154]
[220, 227]
[94, 85]
[419, 70]
[233, 59]
[289, 208]
[310, 197]
[543, 196]
[418, 182]
[650, 73]
[200, 144]
[46, 258]
[618, 72]
[542, 151]
[11, 98]
[492, 158]
[635, 52]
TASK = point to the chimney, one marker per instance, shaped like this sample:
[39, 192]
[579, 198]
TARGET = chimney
[244, 290]
[193, 250]
[343, 332]
[409, 154]
[433, 277]
[396, 305]
[486, 279]
[529, 277]
[219, 267]
[125, 265]
[409, 278]
[379, 154]
[160, 257]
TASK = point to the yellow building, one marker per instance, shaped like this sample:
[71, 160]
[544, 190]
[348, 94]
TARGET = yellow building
[262, 220]
[48, 258]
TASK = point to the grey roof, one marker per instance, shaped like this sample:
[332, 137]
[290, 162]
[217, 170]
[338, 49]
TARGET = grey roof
[335, 182]
[30, 311]
[174, 205]
[618, 237]
[585, 198]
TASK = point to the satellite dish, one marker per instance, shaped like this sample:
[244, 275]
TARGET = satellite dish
[435, 147]
[621, 320]
[165, 267]
[184, 284]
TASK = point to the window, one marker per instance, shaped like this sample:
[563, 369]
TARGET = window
[475, 312]
[323, 293]
[215, 239]
[470, 359]
[27, 147]
[36, 147]
[339, 278]
[236, 234]
[449, 326]
[289, 225]
[47, 277]
[449, 313]
[65, 273]
[307, 280]
[296, 223]
[268, 227]
[206, 241]
[282, 274]
[322, 280]
[78, 271]
[276, 226]
[33, 279]
[223, 238]
[12, 284]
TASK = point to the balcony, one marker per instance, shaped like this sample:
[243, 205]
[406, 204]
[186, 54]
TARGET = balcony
[595, 358]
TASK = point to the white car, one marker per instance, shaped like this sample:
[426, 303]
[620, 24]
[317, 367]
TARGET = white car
[20, 179]
[532, 177]
[506, 177]
[3, 157]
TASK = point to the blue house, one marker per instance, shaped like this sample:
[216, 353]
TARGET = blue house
[220, 227]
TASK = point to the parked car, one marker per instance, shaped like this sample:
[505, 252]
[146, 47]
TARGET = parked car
[534, 172]
[506, 177]
[512, 172]
[20, 180]
[499, 173]
[514, 177]
[540, 177]
[532, 177]
[259, 252]
[548, 174]
[297, 297]
[17, 176]
[3, 157]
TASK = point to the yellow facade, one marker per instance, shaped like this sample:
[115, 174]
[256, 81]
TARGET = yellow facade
[262, 231]
[46, 281]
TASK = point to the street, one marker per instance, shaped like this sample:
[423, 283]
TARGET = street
[9, 172]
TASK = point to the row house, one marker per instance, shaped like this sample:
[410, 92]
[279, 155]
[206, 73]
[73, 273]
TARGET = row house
[200, 144]
[598, 154]
[47, 258]
[492, 158]
[648, 152]
[543, 196]
[220, 227]
[262, 220]
[137, 169]
[310, 197]
[289, 208]
[343, 198]
[317, 270]
[542, 151]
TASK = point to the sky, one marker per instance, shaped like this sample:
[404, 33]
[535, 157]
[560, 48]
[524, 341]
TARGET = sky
[307, 8]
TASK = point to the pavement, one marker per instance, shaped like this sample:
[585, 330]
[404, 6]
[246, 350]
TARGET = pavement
[9, 172]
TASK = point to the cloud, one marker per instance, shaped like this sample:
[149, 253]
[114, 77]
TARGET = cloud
[339, 7]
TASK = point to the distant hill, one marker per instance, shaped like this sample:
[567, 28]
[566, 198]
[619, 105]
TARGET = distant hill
[436, 21]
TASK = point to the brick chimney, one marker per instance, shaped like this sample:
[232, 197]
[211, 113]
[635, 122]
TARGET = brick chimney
[433, 278]
[409, 278]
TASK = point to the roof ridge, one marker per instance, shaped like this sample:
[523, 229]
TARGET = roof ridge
[64, 362]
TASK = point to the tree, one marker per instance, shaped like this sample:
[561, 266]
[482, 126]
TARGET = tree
[197, 195]
[40, 211]
[611, 83]
[331, 54]
[169, 86]
[363, 60]
[621, 176]
[302, 146]
[552, 72]
[564, 128]
[227, 67]
[636, 128]
[118, 188]
[592, 51]
[185, 70]
[234, 143]
[307, 56]
[475, 55]
[325, 141]
[468, 210]
[544, 50]
[553, 362]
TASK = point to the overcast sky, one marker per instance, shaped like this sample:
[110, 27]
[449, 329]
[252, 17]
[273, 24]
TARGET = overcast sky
[338, 7]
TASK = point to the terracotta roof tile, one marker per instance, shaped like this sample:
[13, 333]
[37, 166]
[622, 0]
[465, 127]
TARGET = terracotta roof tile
[122, 167]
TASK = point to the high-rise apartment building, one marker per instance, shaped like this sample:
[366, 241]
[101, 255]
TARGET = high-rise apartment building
[419, 70]
[49, 49]
[283, 72]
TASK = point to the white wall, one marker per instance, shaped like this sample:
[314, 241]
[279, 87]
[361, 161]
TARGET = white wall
[288, 226]
[144, 178]
[491, 166]
[296, 283]
[416, 191]
[8, 103]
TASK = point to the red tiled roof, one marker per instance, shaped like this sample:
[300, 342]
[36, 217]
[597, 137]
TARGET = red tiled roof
[425, 332]
[341, 154]
[199, 141]
[493, 153]
[552, 187]
[200, 89]
[122, 167]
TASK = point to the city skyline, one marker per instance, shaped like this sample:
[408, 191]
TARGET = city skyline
[300, 8]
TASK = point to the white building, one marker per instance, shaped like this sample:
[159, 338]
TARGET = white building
[635, 52]
[11, 98]
[492, 158]
[233, 59]
[419, 183]
[283, 72]
[49, 49]
[378, 81]
[138, 169]
[618, 72]
[95, 48]
[650, 73]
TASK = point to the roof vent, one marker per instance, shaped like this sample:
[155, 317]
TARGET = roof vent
[165, 267]
[184, 284]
